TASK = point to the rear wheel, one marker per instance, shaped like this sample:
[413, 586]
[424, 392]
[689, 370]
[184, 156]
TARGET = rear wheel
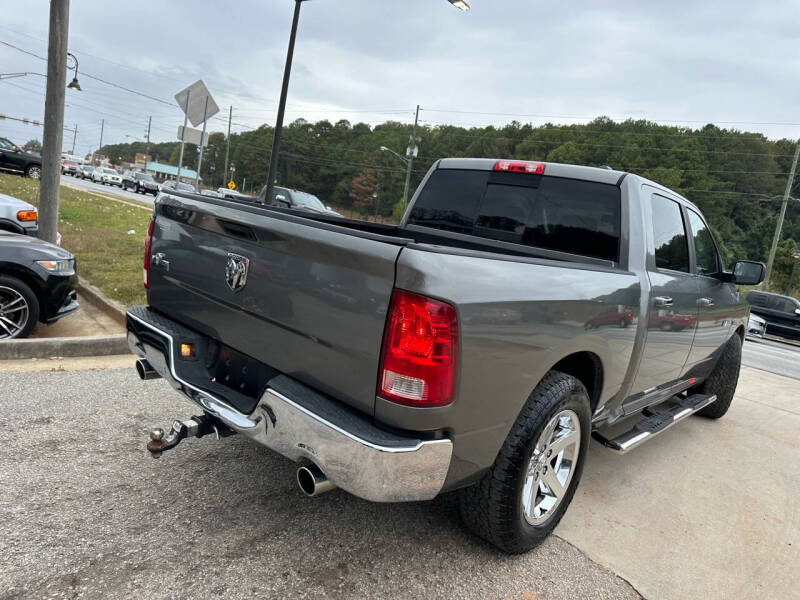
[523, 496]
[723, 380]
[33, 171]
[19, 308]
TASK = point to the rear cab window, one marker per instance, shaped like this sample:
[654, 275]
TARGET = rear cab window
[566, 215]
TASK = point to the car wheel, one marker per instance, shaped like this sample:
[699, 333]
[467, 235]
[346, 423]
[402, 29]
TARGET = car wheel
[723, 379]
[523, 496]
[667, 327]
[33, 171]
[19, 308]
[623, 323]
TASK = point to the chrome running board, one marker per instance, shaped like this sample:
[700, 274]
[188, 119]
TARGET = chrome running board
[655, 421]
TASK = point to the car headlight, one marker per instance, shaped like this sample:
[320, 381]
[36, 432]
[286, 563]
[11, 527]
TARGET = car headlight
[59, 267]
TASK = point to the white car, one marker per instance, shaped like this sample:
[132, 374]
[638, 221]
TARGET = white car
[756, 326]
[105, 176]
[18, 216]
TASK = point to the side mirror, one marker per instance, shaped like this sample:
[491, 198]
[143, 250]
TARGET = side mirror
[748, 272]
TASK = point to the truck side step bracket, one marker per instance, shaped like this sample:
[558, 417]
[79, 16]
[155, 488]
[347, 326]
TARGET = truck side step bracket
[655, 421]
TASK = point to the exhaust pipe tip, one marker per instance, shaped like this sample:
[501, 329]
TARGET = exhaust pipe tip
[146, 371]
[312, 480]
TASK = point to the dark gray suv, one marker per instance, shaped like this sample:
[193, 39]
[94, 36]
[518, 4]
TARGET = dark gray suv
[782, 313]
[15, 159]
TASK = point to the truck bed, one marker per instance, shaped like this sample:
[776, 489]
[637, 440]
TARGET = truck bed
[317, 290]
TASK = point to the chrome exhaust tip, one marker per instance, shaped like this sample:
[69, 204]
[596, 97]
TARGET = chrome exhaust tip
[313, 481]
[145, 371]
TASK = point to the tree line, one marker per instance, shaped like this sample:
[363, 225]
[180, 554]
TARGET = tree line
[735, 177]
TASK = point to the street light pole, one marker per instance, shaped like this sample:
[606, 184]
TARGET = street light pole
[276, 140]
[147, 143]
[53, 135]
[777, 237]
[74, 136]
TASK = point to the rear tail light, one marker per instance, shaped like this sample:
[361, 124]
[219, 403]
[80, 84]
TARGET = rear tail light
[420, 351]
[519, 166]
[148, 243]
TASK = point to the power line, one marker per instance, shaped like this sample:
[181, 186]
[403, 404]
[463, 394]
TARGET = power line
[85, 74]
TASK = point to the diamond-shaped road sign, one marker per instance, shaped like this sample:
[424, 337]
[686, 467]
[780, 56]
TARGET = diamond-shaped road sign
[196, 109]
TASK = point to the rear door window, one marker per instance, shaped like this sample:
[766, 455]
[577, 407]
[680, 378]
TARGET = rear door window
[567, 215]
[669, 235]
[757, 299]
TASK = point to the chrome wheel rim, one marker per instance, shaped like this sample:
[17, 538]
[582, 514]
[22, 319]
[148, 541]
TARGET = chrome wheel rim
[14, 312]
[551, 467]
[35, 173]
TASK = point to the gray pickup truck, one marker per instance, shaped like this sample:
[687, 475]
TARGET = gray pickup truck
[518, 309]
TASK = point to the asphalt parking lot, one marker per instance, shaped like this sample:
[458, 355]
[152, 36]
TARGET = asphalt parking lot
[85, 512]
[707, 510]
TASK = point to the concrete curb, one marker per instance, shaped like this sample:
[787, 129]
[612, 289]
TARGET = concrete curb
[100, 345]
[112, 308]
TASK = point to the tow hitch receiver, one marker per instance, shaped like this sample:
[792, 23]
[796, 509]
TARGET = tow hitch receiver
[194, 427]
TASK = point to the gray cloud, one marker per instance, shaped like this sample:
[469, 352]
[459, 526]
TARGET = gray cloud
[687, 61]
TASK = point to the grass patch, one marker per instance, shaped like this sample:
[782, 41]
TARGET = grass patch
[95, 230]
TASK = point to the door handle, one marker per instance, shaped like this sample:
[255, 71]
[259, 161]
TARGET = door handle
[706, 302]
[662, 301]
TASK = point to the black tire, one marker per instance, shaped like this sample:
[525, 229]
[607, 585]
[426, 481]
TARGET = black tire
[30, 298]
[723, 379]
[33, 171]
[492, 507]
[623, 323]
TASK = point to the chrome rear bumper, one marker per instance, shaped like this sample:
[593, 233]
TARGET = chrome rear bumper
[355, 455]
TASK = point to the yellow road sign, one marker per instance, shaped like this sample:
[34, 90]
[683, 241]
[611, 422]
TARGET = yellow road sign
[231, 185]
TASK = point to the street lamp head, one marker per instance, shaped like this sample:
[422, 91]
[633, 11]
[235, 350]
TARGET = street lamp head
[460, 4]
[384, 149]
[74, 85]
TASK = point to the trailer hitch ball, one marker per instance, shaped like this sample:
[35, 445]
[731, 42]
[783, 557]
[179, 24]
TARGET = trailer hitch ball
[161, 441]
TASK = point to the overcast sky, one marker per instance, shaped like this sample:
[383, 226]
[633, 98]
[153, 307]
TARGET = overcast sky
[733, 63]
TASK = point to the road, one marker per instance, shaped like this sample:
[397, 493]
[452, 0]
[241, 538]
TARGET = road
[772, 356]
[87, 184]
[85, 512]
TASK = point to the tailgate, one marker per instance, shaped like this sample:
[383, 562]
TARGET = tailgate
[312, 305]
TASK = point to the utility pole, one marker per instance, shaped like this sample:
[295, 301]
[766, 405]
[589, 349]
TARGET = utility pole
[228, 147]
[411, 152]
[276, 139]
[183, 134]
[102, 124]
[74, 136]
[777, 237]
[53, 135]
[147, 143]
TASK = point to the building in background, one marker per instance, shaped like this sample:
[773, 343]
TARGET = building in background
[162, 172]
